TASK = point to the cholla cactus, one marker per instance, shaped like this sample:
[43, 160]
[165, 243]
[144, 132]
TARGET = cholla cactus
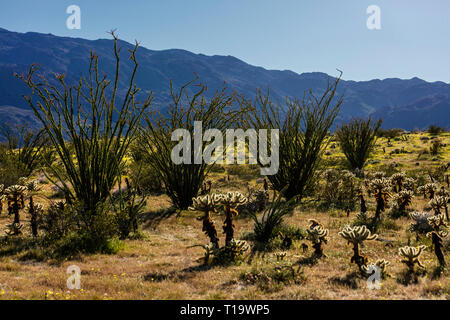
[356, 236]
[409, 184]
[402, 200]
[317, 234]
[421, 224]
[362, 216]
[381, 264]
[230, 201]
[411, 255]
[32, 186]
[15, 195]
[398, 180]
[437, 240]
[430, 189]
[207, 204]
[422, 190]
[2, 198]
[380, 188]
[280, 255]
[438, 203]
[35, 210]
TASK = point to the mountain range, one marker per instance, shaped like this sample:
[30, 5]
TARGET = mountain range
[408, 104]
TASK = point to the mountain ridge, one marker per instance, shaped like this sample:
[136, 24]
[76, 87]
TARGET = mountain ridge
[390, 98]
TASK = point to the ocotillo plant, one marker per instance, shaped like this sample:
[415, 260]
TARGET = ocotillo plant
[411, 255]
[380, 188]
[230, 201]
[182, 181]
[437, 236]
[357, 139]
[91, 131]
[356, 236]
[303, 126]
[317, 234]
[207, 204]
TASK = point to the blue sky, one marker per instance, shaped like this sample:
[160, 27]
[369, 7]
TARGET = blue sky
[298, 35]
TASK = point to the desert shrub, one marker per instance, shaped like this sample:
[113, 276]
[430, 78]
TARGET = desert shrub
[91, 142]
[267, 225]
[339, 188]
[357, 139]
[435, 130]
[183, 181]
[303, 130]
[435, 147]
[389, 133]
[23, 152]
[145, 178]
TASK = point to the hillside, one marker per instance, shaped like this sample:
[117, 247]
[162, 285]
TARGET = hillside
[402, 103]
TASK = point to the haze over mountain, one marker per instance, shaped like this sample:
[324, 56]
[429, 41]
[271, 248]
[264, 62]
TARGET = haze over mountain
[407, 104]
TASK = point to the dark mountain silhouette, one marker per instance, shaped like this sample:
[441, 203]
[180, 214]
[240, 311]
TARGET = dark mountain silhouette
[401, 103]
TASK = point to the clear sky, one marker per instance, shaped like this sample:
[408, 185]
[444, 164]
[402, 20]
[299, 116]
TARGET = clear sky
[297, 35]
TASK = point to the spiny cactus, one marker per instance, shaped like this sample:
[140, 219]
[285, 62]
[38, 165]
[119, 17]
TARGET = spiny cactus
[409, 184]
[411, 255]
[401, 201]
[207, 204]
[2, 198]
[35, 210]
[397, 180]
[437, 235]
[380, 188]
[280, 255]
[230, 201]
[356, 236]
[438, 203]
[317, 234]
[15, 196]
[430, 189]
[381, 264]
[422, 190]
[421, 224]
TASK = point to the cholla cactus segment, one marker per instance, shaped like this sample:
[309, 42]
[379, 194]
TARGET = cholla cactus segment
[438, 202]
[411, 255]
[381, 264]
[317, 234]
[437, 221]
[233, 199]
[382, 184]
[2, 188]
[205, 203]
[15, 190]
[357, 234]
[38, 207]
[280, 255]
[379, 175]
[32, 186]
[409, 184]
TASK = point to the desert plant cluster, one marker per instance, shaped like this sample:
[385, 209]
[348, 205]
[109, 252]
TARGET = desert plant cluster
[96, 187]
